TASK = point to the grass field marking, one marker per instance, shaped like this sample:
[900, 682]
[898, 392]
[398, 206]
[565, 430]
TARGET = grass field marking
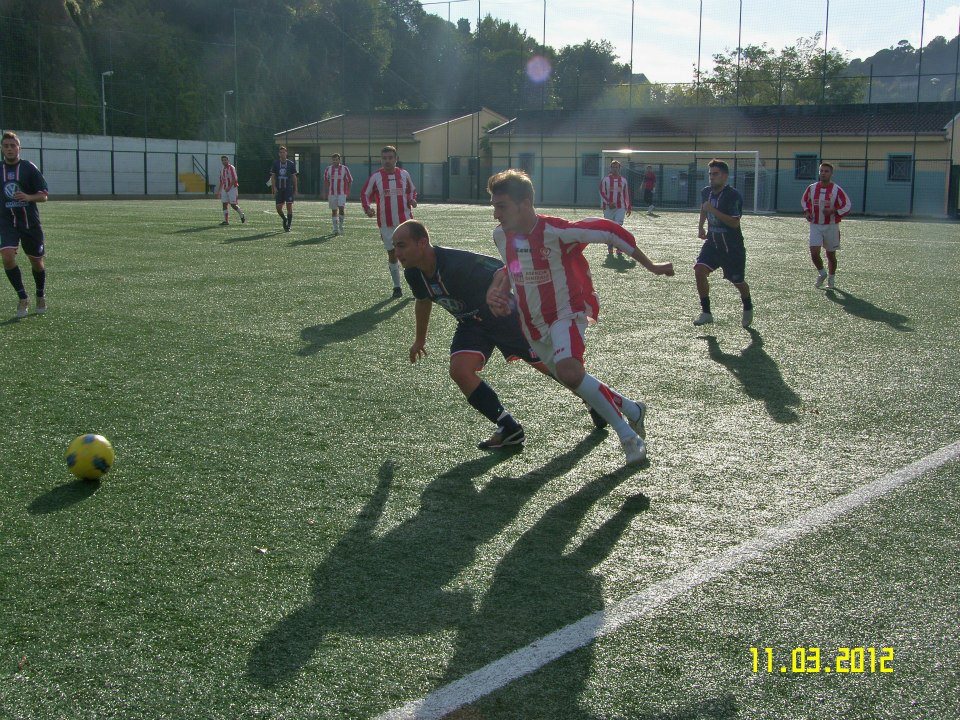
[539, 653]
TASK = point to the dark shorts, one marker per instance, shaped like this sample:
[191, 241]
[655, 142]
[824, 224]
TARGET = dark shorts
[648, 197]
[284, 196]
[30, 238]
[483, 336]
[728, 254]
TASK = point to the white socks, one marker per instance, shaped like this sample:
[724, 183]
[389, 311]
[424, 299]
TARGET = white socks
[395, 273]
[605, 401]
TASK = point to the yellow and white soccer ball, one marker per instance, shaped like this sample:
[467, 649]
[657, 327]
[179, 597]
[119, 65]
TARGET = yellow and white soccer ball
[90, 456]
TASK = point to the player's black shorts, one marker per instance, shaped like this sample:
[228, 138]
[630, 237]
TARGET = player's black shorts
[726, 253]
[648, 197]
[483, 336]
[30, 238]
[284, 196]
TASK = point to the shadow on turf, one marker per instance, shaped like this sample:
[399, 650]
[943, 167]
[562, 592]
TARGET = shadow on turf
[546, 581]
[867, 310]
[312, 241]
[392, 584]
[63, 496]
[760, 376]
[349, 327]
[620, 263]
[199, 228]
[248, 238]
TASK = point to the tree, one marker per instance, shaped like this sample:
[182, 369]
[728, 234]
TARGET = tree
[586, 71]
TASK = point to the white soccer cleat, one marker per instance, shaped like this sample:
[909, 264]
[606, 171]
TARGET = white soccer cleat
[635, 449]
[23, 307]
[747, 317]
[637, 425]
[704, 319]
[41, 306]
[830, 281]
[820, 278]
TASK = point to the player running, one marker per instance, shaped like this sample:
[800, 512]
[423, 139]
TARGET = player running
[550, 277]
[393, 191]
[283, 182]
[227, 189]
[23, 188]
[824, 205]
[337, 180]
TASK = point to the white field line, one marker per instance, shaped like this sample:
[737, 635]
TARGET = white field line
[534, 656]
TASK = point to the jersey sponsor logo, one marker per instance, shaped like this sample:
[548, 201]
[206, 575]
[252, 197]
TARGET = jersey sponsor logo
[452, 305]
[532, 277]
[9, 190]
[545, 252]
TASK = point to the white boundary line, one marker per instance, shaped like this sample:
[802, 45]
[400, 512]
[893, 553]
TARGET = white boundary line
[534, 656]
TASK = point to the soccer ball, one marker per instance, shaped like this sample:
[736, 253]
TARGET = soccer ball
[90, 456]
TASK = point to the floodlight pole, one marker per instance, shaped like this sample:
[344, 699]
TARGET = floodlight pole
[103, 97]
[227, 92]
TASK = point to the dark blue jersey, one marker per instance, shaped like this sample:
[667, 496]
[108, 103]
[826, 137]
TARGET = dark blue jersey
[284, 172]
[22, 176]
[728, 201]
[459, 284]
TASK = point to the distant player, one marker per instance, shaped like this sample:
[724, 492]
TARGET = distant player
[227, 189]
[649, 184]
[550, 278]
[283, 182]
[615, 199]
[824, 205]
[393, 192]
[337, 180]
[722, 206]
[23, 188]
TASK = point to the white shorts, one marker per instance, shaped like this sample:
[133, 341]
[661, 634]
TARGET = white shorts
[615, 214]
[386, 234]
[229, 196]
[826, 235]
[337, 201]
[566, 338]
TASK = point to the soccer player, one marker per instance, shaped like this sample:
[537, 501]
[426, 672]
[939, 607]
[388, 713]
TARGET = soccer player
[649, 183]
[550, 278]
[283, 182]
[337, 180]
[227, 189]
[615, 199]
[723, 247]
[824, 204]
[393, 191]
[23, 188]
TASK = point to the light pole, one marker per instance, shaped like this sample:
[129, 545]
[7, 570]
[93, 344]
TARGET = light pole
[103, 97]
[226, 92]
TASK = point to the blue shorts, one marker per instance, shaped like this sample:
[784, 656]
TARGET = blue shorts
[726, 253]
[30, 238]
[481, 336]
[285, 196]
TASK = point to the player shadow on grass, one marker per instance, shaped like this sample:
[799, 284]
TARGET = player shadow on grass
[760, 376]
[392, 584]
[348, 327]
[620, 263]
[867, 310]
[724, 707]
[547, 581]
[248, 238]
[319, 240]
[199, 228]
[63, 496]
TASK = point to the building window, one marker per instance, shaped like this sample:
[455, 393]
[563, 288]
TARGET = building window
[805, 167]
[454, 166]
[525, 163]
[590, 166]
[899, 168]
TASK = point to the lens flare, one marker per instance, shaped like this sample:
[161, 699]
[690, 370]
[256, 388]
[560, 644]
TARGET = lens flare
[538, 69]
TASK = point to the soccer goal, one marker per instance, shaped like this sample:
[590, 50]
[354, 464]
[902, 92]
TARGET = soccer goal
[681, 174]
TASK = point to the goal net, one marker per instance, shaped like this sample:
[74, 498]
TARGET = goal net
[681, 174]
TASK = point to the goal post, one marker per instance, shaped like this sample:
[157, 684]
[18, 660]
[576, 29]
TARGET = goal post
[682, 173]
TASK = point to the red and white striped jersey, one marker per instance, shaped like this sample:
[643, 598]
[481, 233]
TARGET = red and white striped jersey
[548, 272]
[338, 179]
[614, 192]
[392, 192]
[228, 177]
[818, 196]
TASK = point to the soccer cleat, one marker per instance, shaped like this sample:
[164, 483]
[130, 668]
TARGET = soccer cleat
[820, 278]
[41, 306]
[225, 222]
[397, 292]
[22, 308]
[705, 318]
[747, 317]
[598, 422]
[650, 210]
[243, 218]
[830, 281]
[637, 424]
[503, 438]
[635, 449]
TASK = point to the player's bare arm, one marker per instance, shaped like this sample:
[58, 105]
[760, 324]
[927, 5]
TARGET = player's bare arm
[34, 197]
[498, 294]
[421, 312]
[656, 268]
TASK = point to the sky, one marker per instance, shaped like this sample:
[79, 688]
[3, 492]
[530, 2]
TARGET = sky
[665, 34]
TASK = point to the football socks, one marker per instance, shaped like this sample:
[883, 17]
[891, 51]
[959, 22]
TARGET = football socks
[602, 399]
[395, 273]
[484, 399]
[16, 279]
[40, 279]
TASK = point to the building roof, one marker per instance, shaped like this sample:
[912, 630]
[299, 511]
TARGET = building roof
[397, 125]
[832, 120]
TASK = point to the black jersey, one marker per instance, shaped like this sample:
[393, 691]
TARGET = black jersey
[284, 172]
[459, 284]
[729, 201]
[22, 176]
